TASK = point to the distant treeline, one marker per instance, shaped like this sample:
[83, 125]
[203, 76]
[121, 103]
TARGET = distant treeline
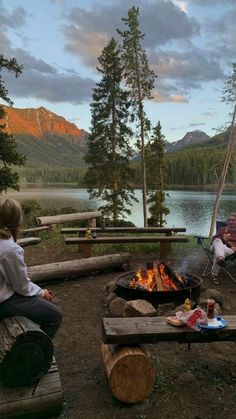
[195, 166]
[47, 176]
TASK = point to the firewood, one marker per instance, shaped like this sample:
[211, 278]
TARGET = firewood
[131, 373]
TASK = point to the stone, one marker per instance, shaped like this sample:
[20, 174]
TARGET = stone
[111, 296]
[138, 308]
[214, 294]
[117, 307]
[110, 286]
[186, 378]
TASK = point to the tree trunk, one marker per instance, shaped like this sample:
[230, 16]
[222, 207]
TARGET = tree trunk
[73, 267]
[25, 352]
[27, 241]
[221, 183]
[64, 218]
[131, 373]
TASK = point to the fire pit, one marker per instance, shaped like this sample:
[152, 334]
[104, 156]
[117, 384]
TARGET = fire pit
[158, 285]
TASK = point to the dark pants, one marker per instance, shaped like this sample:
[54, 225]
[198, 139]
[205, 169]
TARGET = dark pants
[40, 311]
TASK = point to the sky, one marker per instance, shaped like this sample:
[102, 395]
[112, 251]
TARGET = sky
[190, 44]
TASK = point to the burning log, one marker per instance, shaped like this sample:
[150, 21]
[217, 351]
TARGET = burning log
[177, 279]
[131, 373]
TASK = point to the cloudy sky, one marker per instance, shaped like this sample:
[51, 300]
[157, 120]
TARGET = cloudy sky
[190, 45]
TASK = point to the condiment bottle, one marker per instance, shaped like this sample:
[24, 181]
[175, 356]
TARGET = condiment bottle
[187, 305]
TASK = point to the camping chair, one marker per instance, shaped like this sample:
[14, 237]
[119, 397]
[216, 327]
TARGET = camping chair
[228, 260]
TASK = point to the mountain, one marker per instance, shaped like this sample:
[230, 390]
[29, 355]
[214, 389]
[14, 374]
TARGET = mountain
[191, 138]
[46, 139]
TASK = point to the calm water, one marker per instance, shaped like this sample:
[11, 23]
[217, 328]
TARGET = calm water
[190, 209]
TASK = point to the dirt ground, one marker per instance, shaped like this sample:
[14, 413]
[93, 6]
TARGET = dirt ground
[199, 383]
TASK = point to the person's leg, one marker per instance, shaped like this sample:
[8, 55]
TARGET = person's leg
[220, 251]
[40, 311]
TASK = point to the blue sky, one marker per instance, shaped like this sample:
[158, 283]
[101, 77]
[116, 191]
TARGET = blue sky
[190, 45]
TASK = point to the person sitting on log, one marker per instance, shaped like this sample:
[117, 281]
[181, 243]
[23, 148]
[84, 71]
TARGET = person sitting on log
[19, 296]
[224, 244]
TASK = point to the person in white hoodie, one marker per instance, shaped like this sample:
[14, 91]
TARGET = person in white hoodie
[18, 294]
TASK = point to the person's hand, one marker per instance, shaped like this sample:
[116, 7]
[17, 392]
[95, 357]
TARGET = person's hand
[226, 236]
[47, 295]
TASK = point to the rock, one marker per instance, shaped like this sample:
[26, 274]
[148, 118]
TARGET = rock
[111, 296]
[117, 307]
[110, 286]
[167, 309]
[214, 294]
[137, 308]
[186, 378]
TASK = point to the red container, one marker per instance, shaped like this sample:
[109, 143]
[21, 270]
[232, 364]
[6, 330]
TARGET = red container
[192, 320]
[210, 308]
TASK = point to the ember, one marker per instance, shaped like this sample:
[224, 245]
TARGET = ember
[157, 278]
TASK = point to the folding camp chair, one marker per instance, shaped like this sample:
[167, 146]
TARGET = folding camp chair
[228, 260]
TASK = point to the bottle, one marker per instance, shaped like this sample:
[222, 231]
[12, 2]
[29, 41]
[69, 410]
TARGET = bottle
[94, 234]
[187, 305]
[210, 308]
[88, 234]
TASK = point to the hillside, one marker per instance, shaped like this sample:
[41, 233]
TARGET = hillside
[196, 138]
[46, 139]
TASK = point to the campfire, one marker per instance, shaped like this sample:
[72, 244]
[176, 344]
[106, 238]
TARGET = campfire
[157, 277]
[158, 284]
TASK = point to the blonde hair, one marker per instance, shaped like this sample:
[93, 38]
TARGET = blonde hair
[10, 218]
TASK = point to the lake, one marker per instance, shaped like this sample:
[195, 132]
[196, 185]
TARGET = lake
[190, 209]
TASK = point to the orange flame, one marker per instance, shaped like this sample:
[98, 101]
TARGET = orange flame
[155, 279]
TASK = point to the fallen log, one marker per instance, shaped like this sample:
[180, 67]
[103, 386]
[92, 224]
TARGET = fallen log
[64, 218]
[33, 230]
[131, 373]
[72, 267]
[27, 241]
[25, 351]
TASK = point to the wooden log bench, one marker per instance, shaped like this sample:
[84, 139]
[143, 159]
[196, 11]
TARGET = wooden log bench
[27, 241]
[29, 379]
[87, 243]
[122, 338]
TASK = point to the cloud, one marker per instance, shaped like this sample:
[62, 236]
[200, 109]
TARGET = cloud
[53, 88]
[199, 124]
[13, 20]
[212, 3]
[161, 21]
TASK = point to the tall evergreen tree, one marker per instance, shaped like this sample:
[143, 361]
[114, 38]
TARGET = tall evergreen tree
[140, 79]
[8, 147]
[155, 150]
[109, 174]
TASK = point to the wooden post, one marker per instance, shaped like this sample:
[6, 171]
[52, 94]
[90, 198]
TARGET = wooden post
[131, 373]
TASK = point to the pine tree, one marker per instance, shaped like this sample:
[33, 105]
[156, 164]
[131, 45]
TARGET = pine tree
[109, 174]
[140, 79]
[155, 175]
[8, 148]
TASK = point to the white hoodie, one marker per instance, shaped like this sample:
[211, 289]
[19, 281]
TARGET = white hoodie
[13, 272]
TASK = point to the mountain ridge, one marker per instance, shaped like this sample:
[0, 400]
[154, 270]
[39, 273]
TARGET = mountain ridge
[45, 138]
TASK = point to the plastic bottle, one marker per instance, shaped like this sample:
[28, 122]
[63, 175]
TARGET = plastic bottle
[187, 305]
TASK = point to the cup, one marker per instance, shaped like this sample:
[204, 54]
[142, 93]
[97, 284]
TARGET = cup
[210, 308]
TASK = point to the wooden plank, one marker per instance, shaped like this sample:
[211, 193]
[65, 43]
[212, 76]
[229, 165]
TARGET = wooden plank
[131, 239]
[136, 330]
[28, 241]
[41, 400]
[161, 230]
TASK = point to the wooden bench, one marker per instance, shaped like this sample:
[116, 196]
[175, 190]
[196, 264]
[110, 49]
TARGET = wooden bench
[124, 350]
[137, 330]
[27, 241]
[168, 231]
[87, 243]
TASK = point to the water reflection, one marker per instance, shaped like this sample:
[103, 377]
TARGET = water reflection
[190, 209]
